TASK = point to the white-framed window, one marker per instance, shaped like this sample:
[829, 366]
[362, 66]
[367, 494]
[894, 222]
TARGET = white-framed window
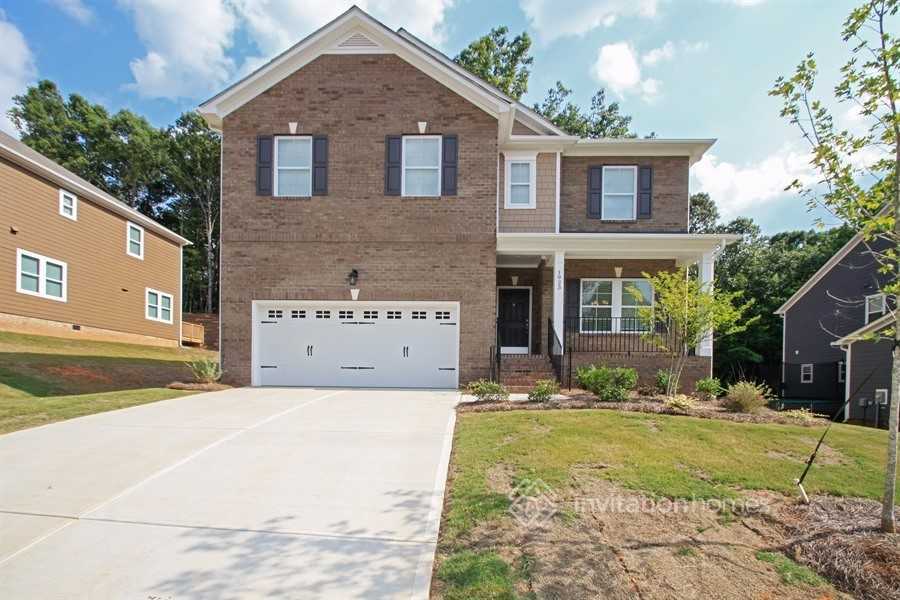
[134, 240]
[293, 166]
[619, 193]
[520, 177]
[875, 306]
[68, 205]
[842, 372]
[159, 306]
[806, 373]
[881, 396]
[421, 172]
[40, 276]
[611, 305]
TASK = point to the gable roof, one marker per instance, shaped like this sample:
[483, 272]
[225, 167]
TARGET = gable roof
[863, 332]
[27, 158]
[355, 32]
[818, 275]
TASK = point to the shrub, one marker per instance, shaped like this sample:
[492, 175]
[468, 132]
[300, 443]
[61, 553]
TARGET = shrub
[680, 402]
[609, 384]
[708, 388]
[746, 397]
[488, 391]
[205, 370]
[543, 390]
[662, 381]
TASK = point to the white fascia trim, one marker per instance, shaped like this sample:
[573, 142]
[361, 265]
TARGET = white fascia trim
[864, 331]
[694, 149]
[832, 262]
[128, 226]
[682, 246]
[320, 42]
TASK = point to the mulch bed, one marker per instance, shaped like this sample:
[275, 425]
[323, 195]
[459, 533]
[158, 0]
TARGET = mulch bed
[652, 405]
[198, 387]
[840, 539]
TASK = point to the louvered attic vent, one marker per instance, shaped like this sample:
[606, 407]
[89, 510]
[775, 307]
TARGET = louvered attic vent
[358, 40]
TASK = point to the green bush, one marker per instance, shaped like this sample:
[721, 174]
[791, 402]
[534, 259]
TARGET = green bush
[488, 391]
[662, 381]
[609, 384]
[746, 397]
[543, 390]
[205, 370]
[708, 388]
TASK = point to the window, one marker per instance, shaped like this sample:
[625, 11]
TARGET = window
[323, 314]
[421, 175]
[345, 314]
[842, 371]
[875, 306]
[135, 245]
[68, 205]
[298, 314]
[419, 314]
[806, 373]
[370, 314]
[293, 166]
[612, 305]
[619, 193]
[275, 313]
[520, 181]
[394, 314]
[881, 396]
[442, 315]
[38, 275]
[159, 306]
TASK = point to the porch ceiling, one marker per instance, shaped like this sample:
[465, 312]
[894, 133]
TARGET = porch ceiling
[683, 247]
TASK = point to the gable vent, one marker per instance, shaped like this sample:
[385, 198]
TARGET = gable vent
[356, 41]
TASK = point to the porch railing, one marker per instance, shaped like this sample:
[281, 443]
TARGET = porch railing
[555, 351]
[618, 335]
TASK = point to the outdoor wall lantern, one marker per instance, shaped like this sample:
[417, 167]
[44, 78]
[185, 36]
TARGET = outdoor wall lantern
[515, 280]
[352, 279]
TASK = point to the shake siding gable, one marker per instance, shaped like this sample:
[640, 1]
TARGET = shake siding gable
[105, 286]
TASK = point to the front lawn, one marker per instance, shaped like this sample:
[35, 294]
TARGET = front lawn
[46, 379]
[600, 454]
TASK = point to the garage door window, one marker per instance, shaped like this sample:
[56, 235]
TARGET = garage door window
[298, 314]
[394, 314]
[323, 314]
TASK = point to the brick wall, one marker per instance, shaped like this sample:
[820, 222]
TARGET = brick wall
[542, 218]
[670, 195]
[404, 248]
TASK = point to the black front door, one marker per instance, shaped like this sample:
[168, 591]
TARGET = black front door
[512, 319]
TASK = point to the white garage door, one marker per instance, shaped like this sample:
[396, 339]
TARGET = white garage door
[356, 344]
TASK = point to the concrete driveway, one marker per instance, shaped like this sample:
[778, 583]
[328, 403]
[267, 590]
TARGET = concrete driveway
[246, 493]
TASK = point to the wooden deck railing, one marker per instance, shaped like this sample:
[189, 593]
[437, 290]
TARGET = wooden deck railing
[192, 333]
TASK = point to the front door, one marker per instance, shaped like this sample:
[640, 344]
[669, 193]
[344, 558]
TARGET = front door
[513, 313]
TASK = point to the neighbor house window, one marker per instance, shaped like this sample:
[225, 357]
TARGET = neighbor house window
[619, 193]
[881, 396]
[875, 306]
[135, 240]
[293, 166]
[612, 305]
[159, 306]
[806, 373]
[68, 205]
[38, 275]
[520, 181]
[421, 175]
[842, 372]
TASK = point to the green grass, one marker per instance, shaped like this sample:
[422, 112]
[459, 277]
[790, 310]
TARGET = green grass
[469, 574]
[662, 456]
[791, 573]
[46, 379]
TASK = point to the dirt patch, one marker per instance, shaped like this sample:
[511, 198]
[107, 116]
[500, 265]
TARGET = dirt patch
[80, 374]
[198, 387]
[499, 479]
[826, 455]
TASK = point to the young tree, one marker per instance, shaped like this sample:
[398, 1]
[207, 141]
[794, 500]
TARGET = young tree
[683, 312]
[501, 62]
[602, 120]
[858, 171]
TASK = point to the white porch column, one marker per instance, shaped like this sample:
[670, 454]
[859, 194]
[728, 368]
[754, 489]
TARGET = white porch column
[707, 277]
[559, 288]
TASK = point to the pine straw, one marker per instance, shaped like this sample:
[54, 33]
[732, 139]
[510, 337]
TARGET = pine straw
[198, 387]
[840, 539]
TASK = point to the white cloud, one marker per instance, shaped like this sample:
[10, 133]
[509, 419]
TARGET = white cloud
[551, 21]
[75, 9]
[738, 189]
[663, 53]
[617, 66]
[744, 3]
[17, 69]
[186, 46]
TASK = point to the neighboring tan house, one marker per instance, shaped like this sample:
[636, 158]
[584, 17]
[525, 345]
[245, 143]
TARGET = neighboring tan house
[824, 356]
[388, 219]
[76, 262]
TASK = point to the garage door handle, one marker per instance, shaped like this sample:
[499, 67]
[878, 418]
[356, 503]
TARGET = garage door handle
[309, 350]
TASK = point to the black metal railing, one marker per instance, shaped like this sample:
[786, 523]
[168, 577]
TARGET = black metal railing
[554, 350]
[619, 335]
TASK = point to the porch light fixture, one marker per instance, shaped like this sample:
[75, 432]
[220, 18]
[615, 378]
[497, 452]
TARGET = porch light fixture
[292, 127]
[618, 271]
[423, 125]
[353, 277]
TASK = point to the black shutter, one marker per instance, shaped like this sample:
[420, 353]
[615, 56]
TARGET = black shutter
[572, 304]
[595, 192]
[320, 165]
[645, 192]
[449, 162]
[264, 165]
[393, 163]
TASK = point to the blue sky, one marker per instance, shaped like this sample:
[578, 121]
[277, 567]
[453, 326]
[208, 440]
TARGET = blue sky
[681, 68]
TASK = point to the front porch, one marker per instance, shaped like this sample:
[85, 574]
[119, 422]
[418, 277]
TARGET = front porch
[567, 300]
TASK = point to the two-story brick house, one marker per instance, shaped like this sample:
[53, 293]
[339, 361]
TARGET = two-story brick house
[388, 219]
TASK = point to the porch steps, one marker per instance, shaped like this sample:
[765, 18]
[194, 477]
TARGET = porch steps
[523, 371]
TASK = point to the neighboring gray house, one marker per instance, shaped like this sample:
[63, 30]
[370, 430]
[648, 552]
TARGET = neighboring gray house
[820, 321]
[868, 373]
